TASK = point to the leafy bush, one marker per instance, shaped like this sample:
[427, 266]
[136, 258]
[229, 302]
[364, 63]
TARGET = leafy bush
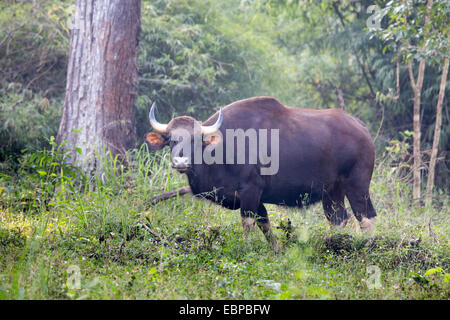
[34, 43]
[44, 178]
[27, 120]
[33, 58]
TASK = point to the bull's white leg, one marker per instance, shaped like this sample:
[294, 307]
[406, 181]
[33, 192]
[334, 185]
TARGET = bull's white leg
[367, 225]
[248, 224]
[267, 231]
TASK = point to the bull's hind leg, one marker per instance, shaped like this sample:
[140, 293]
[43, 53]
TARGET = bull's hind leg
[357, 192]
[363, 209]
[334, 206]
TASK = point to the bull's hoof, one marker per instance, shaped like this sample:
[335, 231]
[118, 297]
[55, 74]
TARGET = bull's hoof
[367, 225]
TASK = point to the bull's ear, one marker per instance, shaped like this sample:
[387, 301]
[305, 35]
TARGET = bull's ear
[212, 139]
[156, 141]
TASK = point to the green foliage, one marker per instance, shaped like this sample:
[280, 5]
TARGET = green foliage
[27, 120]
[34, 45]
[407, 28]
[33, 59]
[408, 38]
[44, 179]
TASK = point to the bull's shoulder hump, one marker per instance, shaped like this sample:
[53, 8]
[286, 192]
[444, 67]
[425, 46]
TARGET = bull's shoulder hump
[241, 109]
[312, 112]
[333, 113]
[335, 116]
[257, 104]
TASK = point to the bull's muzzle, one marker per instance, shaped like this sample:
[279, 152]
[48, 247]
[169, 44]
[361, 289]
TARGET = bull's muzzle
[181, 164]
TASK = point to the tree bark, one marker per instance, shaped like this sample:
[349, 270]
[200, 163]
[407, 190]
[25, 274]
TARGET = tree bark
[417, 89]
[99, 112]
[437, 134]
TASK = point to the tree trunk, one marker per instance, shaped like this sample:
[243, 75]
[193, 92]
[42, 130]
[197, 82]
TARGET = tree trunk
[437, 134]
[417, 88]
[99, 113]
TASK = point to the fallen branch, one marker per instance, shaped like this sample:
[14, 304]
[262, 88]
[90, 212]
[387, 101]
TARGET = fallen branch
[153, 233]
[340, 97]
[171, 194]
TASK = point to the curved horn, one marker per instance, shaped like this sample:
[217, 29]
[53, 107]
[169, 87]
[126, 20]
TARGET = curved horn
[159, 127]
[212, 129]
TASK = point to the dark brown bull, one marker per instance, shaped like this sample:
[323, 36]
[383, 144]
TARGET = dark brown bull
[323, 155]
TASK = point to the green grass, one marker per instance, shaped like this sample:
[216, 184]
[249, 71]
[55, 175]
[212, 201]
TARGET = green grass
[64, 236]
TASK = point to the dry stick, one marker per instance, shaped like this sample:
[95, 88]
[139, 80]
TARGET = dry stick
[153, 233]
[340, 97]
[381, 122]
[171, 194]
[397, 77]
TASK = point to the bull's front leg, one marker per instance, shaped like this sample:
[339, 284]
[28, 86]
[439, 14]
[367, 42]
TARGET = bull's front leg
[249, 199]
[248, 223]
[249, 219]
[264, 225]
[252, 211]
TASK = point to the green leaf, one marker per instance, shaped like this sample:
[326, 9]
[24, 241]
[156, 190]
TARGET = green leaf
[418, 278]
[447, 277]
[433, 271]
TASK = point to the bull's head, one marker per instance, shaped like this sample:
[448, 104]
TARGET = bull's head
[180, 135]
